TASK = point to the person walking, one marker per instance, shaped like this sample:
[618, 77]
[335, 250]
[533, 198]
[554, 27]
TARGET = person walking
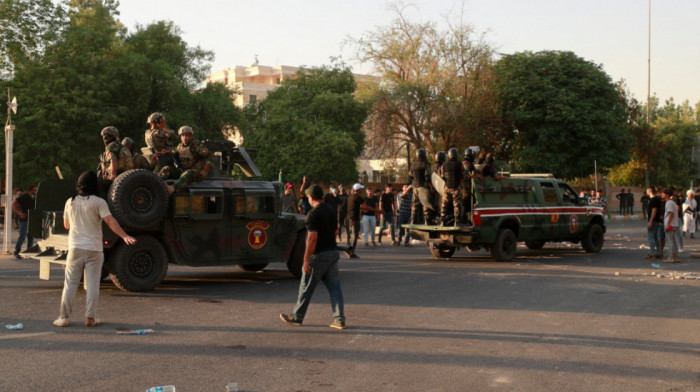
[82, 217]
[342, 213]
[654, 224]
[21, 206]
[387, 204]
[369, 217]
[671, 224]
[355, 203]
[689, 208]
[320, 261]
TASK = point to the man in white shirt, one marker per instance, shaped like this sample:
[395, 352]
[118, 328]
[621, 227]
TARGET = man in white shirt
[82, 216]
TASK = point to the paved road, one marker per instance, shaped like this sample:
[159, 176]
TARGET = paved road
[554, 319]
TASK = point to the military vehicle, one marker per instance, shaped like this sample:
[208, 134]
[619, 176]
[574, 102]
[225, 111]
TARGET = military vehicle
[215, 222]
[513, 209]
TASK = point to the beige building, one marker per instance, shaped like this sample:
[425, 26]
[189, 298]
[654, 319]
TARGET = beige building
[254, 82]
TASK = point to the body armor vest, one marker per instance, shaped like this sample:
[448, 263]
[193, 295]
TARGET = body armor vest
[452, 174]
[419, 177]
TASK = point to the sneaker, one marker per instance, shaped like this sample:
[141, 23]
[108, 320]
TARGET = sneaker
[289, 319]
[61, 322]
[337, 325]
[354, 256]
[373, 244]
[91, 322]
[17, 256]
[395, 243]
[407, 245]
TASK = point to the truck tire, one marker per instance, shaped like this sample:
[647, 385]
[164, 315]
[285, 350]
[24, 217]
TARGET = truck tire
[252, 267]
[535, 244]
[296, 258]
[137, 199]
[138, 267]
[503, 249]
[441, 251]
[592, 241]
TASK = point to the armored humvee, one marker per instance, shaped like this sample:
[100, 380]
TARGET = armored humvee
[513, 209]
[215, 222]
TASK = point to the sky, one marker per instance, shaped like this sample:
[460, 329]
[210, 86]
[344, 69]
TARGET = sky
[612, 33]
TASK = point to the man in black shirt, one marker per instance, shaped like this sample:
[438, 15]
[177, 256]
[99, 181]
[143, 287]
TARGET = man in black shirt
[655, 226]
[21, 206]
[320, 261]
[355, 200]
[342, 212]
[387, 203]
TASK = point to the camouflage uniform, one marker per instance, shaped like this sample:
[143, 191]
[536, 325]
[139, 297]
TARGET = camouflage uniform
[468, 172]
[421, 174]
[140, 162]
[158, 141]
[194, 158]
[114, 150]
[452, 170]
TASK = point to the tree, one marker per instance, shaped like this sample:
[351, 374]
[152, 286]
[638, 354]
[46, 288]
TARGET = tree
[309, 126]
[564, 111]
[434, 91]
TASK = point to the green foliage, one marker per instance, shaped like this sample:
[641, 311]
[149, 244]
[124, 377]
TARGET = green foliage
[94, 74]
[309, 126]
[565, 113]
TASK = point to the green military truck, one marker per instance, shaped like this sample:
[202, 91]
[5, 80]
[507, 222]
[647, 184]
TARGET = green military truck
[216, 222]
[513, 209]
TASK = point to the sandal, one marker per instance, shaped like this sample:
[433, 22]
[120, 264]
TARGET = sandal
[91, 322]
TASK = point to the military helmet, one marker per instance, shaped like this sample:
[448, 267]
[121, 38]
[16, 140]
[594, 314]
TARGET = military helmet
[127, 141]
[112, 131]
[184, 130]
[440, 157]
[452, 153]
[155, 118]
[421, 154]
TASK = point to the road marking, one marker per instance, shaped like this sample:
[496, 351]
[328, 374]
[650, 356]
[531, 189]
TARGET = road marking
[26, 335]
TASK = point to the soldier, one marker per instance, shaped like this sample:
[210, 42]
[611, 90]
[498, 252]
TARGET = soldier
[468, 172]
[116, 159]
[158, 139]
[440, 157]
[421, 191]
[194, 158]
[452, 170]
[489, 169]
[140, 162]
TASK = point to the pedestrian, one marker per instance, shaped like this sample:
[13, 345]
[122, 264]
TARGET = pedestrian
[689, 209]
[332, 200]
[369, 217]
[21, 206]
[671, 224]
[320, 261]
[355, 203]
[289, 199]
[82, 216]
[116, 158]
[387, 204]
[678, 199]
[304, 204]
[654, 224]
[630, 202]
[697, 213]
[622, 198]
[405, 200]
[343, 212]
[645, 205]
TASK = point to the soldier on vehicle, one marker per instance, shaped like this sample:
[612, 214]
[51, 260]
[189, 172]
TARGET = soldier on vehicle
[421, 191]
[440, 157]
[116, 159]
[489, 169]
[194, 159]
[158, 139]
[452, 170]
[468, 172]
[140, 162]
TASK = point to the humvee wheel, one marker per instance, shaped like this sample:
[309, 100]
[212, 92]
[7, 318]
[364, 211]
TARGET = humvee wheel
[296, 259]
[592, 241]
[252, 267]
[503, 249]
[534, 245]
[137, 199]
[138, 267]
[442, 251]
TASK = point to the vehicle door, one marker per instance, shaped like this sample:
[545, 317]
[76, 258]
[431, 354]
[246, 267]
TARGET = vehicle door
[197, 227]
[550, 211]
[573, 215]
[253, 225]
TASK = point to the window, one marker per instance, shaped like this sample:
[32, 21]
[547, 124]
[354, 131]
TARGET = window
[199, 206]
[568, 195]
[549, 193]
[252, 98]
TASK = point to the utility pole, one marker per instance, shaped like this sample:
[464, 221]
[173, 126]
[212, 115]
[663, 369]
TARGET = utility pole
[647, 184]
[9, 134]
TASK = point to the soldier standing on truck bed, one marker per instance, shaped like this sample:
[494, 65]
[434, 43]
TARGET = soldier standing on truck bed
[158, 139]
[452, 171]
[116, 159]
[421, 193]
[194, 159]
[468, 172]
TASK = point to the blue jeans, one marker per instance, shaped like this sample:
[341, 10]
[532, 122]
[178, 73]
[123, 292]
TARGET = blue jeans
[654, 235]
[404, 220]
[22, 235]
[369, 225]
[324, 267]
[387, 217]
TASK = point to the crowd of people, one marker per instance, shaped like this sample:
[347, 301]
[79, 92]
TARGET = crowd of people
[672, 216]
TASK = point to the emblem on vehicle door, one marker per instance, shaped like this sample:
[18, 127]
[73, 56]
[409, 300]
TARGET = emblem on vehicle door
[257, 235]
[573, 224]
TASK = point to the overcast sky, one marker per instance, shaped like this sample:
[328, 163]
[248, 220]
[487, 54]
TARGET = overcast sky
[308, 32]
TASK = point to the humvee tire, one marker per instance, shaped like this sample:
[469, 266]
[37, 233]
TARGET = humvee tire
[138, 267]
[442, 251]
[503, 249]
[253, 267]
[138, 199]
[296, 258]
[534, 244]
[592, 241]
